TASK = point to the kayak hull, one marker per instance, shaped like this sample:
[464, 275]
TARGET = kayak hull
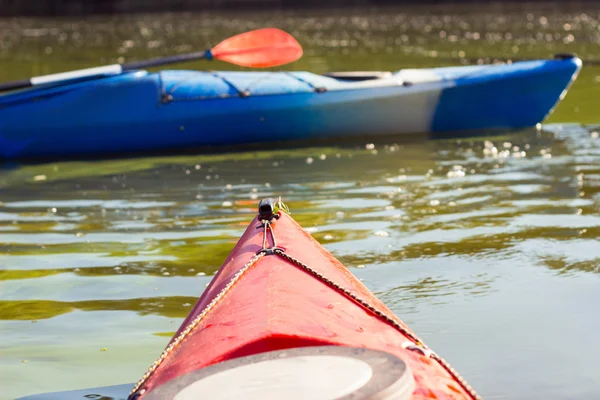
[142, 112]
[268, 302]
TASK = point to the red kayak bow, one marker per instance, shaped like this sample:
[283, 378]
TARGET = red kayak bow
[283, 318]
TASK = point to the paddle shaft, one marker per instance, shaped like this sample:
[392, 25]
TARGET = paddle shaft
[114, 69]
[155, 62]
[267, 47]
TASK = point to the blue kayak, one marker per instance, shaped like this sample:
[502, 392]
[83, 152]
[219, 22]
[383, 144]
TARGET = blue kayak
[140, 111]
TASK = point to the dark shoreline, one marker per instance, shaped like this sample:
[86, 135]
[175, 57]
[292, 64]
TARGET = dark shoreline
[50, 8]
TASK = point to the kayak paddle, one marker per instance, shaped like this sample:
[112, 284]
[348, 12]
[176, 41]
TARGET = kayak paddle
[261, 48]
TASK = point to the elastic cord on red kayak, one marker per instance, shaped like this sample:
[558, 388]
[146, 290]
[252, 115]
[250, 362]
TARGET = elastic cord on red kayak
[418, 345]
[265, 249]
[138, 390]
[266, 215]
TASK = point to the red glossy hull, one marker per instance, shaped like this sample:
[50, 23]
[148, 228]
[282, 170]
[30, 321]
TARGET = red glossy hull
[275, 305]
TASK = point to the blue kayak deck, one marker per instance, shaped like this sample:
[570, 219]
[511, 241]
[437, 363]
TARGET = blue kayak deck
[144, 112]
[204, 85]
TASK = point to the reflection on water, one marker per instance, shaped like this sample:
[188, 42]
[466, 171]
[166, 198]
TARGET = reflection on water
[116, 392]
[425, 225]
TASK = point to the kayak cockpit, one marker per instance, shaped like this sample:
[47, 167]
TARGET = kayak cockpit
[358, 76]
[311, 372]
[321, 372]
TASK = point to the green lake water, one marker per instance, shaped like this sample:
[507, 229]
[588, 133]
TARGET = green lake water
[487, 247]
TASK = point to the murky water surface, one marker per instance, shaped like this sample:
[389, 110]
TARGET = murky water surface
[487, 247]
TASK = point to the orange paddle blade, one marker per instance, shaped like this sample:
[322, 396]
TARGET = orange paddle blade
[261, 48]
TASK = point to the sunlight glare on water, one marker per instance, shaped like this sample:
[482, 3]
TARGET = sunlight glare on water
[492, 266]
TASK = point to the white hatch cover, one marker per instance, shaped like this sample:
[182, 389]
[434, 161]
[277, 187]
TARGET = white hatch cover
[316, 373]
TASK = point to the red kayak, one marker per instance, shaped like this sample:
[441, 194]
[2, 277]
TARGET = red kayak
[283, 319]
